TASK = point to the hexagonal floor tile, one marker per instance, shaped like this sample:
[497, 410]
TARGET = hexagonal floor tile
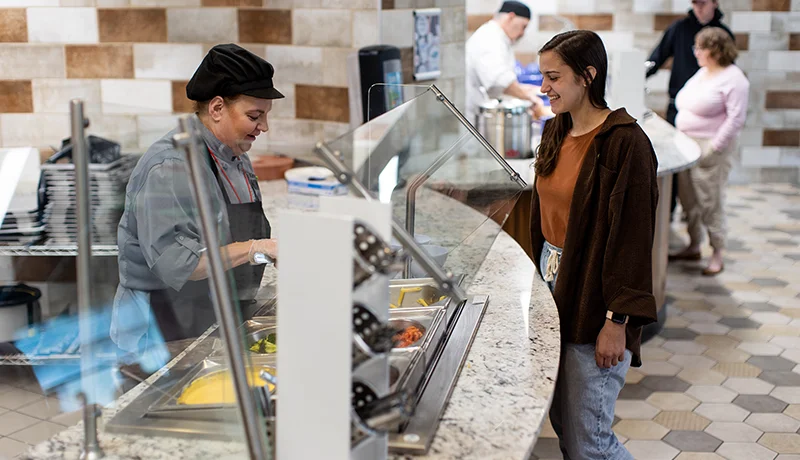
[775, 423]
[770, 318]
[701, 317]
[681, 333]
[791, 355]
[716, 341]
[661, 368]
[793, 410]
[684, 347]
[657, 383]
[635, 391]
[745, 451]
[692, 441]
[781, 378]
[698, 456]
[739, 323]
[655, 354]
[749, 386]
[710, 328]
[750, 335]
[547, 448]
[757, 403]
[789, 330]
[786, 342]
[733, 431]
[769, 282]
[633, 376]
[651, 450]
[760, 348]
[727, 355]
[732, 311]
[737, 369]
[772, 363]
[785, 302]
[760, 306]
[640, 429]
[692, 361]
[789, 394]
[781, 442]
[682, 420]
[713, 290]
[672, 401]
[719, 412]
[701, 376]
[711, 394]
[633, 409]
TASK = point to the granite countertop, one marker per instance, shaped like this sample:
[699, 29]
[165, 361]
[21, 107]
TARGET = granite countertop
[503, 392]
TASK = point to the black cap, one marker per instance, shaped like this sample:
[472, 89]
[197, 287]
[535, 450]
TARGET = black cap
[230, 70]
[518, 8]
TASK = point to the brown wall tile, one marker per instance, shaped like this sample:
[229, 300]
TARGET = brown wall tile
[322, 103]
[526, 58]
[16, 96]
[129, 25]
[99, 61]
[476, 20]
[13, 25]
[663, 21]
[407, 65]
[781, 138]
[387, 4]
[783, 100]
[772, 5]
[181, 103]
[548, 23]
[794, 42]
[245, 3]
[742, 42]
[265, 26]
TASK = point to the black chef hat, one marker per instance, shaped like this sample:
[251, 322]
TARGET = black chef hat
[230, 70]
[518, 8]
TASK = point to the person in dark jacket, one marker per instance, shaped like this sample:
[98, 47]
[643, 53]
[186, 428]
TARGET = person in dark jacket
[592, 228]
[677, 43]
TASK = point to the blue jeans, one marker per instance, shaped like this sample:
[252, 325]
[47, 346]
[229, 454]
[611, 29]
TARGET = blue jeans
[583, 402]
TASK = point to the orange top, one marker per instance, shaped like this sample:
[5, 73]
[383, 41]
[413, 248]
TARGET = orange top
[555, 191]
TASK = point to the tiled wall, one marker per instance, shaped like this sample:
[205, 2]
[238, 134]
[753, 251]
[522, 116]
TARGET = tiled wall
[130, 60]
[768, 35]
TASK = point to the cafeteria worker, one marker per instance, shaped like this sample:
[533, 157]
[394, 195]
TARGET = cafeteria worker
[163, 268]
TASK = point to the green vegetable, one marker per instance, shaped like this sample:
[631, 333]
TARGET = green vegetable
[264, 346]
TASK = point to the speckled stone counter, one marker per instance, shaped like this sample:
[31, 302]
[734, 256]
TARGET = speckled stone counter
[502, 395]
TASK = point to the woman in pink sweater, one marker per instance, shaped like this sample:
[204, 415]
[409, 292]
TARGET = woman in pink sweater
[712, 107]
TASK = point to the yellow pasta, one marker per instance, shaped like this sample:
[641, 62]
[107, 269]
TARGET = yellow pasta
[422, 302]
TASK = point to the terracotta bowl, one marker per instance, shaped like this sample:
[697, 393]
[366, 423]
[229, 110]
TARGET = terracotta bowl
[270, 167]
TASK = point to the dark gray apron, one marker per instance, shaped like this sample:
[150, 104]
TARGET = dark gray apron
[189, 312]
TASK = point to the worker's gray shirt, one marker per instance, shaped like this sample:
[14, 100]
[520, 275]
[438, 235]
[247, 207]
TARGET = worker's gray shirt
[159, 233]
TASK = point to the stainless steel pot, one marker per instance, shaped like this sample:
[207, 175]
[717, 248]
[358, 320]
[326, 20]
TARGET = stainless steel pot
[507, 126]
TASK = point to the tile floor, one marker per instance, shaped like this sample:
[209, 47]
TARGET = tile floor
[722, 380]
[27, 416]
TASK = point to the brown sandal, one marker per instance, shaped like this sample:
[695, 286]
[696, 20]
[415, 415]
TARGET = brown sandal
[683, 256]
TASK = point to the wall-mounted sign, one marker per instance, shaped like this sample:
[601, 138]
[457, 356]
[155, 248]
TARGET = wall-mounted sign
[427, 43]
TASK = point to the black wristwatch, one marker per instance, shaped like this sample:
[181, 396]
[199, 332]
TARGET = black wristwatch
[617, 318]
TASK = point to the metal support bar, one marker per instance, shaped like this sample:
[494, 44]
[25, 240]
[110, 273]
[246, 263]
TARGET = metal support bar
[514, 175]
[80, 157]
[255, 433]
[443, 279]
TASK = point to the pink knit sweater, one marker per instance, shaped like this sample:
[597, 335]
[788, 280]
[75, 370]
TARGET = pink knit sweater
[713, 107]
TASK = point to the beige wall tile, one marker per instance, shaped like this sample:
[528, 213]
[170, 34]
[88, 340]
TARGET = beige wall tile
[283, 108]
[119, 128]
[398, 28]
[751, 21]
[651, 6]
[113, 3]
[453, 60]
[150, 128]
[26, 3]
[136, 96]
[23, 62]
[482, 6]
[13, 25]
[335, 4]
[298, 64]
[25, 129]
[365, 28]
[52, 95]
[291, 135]
[454, 24]
[576, 6]
[78, 3]
[334, 61]
[321, 27]
[167, 61]
[280, 4]
[165, 3]
[784, 60]
[768, 41]
[614, 6]
[202, 25]
[62, 25]
[633, 22]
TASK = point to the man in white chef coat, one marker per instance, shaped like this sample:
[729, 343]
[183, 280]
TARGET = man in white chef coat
[490, 59]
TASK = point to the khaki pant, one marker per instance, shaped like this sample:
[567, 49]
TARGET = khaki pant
[701, 190]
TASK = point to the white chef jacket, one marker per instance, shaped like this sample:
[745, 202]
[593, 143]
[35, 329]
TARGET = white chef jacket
[490, 63]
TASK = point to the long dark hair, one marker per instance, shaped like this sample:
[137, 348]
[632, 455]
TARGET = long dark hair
[579, 49]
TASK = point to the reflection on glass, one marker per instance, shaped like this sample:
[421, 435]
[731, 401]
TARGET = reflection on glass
[421, 158]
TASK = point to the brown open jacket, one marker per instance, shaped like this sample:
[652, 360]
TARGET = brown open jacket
[607, 259]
